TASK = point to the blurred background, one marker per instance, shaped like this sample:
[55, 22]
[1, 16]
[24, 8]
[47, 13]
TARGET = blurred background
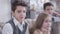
[35, 7]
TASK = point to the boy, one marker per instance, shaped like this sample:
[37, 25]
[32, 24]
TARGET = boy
[17, 25]
[49, 9]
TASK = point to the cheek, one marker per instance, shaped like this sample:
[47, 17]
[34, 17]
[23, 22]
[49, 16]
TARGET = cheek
[44, 24]
[50, 24]
[47, 11]
[24, 15]
[17, 16]
[51, 11]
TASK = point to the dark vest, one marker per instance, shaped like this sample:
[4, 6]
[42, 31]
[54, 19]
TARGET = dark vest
[16, 30]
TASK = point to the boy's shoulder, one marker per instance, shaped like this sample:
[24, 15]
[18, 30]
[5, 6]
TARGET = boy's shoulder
[8, 26]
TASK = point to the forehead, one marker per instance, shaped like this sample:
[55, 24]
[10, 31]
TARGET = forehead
[20, 8]
[48, 18]
[49, 7]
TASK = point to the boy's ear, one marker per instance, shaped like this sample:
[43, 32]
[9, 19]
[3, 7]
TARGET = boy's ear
[12, 13]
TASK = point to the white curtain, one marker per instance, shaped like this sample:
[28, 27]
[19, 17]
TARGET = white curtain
[5, 10]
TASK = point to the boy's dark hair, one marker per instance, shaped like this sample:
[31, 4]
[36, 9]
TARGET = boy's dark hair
[47, 4]
[17, 3]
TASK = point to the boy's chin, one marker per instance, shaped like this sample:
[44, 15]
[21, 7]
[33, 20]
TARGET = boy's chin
[22, 20]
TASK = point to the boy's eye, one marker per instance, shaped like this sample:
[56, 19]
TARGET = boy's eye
[21, 11]
[24, 11]
[51, 9]
[47, 9]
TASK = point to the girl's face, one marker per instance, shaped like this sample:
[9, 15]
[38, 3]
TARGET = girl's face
[47, 24]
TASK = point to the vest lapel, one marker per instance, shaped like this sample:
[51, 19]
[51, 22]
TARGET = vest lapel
[16, 30]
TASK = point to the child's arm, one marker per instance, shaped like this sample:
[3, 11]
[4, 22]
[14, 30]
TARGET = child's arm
[57, 14]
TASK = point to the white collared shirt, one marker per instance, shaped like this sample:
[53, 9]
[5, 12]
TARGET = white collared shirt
[20, 26]
[7, 29]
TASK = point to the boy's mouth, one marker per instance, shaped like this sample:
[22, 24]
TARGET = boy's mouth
[22, 17]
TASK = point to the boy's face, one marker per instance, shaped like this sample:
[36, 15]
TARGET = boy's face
[20, 13]
[49, 9]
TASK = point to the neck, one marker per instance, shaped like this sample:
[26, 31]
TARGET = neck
[46, 32]
[20, 21]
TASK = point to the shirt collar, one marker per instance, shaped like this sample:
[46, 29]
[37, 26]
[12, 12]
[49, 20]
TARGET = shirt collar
[17, 22]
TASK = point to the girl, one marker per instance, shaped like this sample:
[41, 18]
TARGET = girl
[42, 25]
